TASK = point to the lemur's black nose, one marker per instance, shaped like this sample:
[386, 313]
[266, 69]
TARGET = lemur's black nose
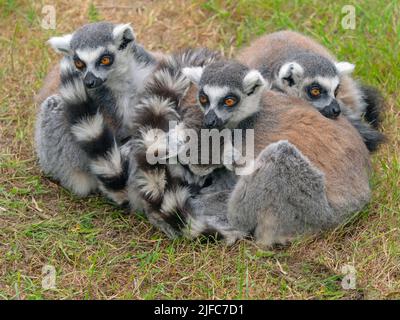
[211, 120]
[332, 111]
[91, 81]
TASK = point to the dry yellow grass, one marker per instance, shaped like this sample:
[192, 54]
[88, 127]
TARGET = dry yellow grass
[99, 252]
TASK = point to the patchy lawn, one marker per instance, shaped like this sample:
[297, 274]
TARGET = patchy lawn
[101, 253]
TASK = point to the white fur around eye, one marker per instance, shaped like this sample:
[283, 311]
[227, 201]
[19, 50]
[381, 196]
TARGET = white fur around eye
[90, 56]
[344, 67]
[215, 94]
[61, 44]
[330, 84]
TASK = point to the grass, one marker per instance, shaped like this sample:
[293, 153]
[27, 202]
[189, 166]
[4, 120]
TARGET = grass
[99, 252]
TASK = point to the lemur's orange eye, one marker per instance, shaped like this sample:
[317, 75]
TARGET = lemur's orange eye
[203, 99]
[230, 102]
[79, 64]
[106, 60]
[315, 92]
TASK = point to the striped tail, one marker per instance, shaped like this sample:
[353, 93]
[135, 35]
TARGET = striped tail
[94, 136]
[374, 103]
[371, 136]
[167, 188]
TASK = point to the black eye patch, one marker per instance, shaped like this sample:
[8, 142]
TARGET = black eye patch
[315, 91]
[79, 64]
[229, 101]
[106, 59]
[203, 99]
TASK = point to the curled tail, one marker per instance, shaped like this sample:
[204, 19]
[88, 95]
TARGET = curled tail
[167, 188]
[371, 136]
[373, 105]
[94, 136]
[368, 122]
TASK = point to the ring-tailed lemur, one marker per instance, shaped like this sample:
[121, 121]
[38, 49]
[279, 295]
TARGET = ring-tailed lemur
[298, 66]
[102, 62]
[162, 191]
[309, 173]
[169, 191]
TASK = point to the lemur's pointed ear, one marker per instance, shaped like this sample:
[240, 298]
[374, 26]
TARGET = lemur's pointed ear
[193, 73]
[344, 67]
[253, 82]
[61, 44]
[123, 35]
[291, 73]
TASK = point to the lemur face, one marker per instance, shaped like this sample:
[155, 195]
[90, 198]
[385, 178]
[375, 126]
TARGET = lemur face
[321, 93]
[95, 65]
[315, 79]
[228, 92]
[98, 51]
[219, 104]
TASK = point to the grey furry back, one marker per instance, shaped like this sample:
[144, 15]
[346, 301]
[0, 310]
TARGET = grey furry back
[285, 197]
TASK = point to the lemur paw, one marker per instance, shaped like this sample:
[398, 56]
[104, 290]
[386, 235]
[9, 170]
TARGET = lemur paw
[234, 161]
[231, 156]
[231, 237]
[53, 102]
[203, 169]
